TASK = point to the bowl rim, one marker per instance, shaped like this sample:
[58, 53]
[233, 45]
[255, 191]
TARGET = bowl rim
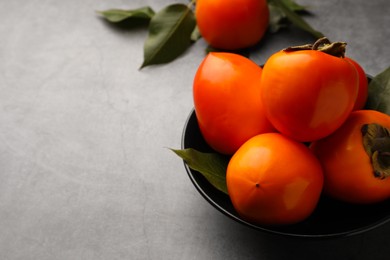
[348, 233]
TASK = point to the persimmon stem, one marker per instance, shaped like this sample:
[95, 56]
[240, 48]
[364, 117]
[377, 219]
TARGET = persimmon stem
[320, 42]
[376, 142]
[323, 44]
[299, 48]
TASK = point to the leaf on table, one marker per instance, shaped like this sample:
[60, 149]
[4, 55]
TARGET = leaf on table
[211, 165]
[169, 34]
[119, 15]
[289, 10]
[379, 92]
[277, 20]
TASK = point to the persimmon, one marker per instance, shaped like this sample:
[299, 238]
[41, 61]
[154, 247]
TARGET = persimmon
[226, 93]
[274, 180]
[233, 24]
[356, 158]
[309, 91]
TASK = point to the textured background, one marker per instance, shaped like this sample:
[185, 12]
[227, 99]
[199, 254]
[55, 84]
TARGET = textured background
[85, 172]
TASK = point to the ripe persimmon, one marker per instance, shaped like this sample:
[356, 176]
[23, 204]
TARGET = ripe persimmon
[226, 92]
[274, 180]
[233, 24]
[307, 92]
[356, 158]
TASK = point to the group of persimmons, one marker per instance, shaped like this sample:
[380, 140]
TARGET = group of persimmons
[295, 128]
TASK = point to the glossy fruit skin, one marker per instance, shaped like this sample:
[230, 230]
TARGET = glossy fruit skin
[308, 94]
[226, 93]
[362, 96]
[233, 24]
[348, 173]
[274, 180]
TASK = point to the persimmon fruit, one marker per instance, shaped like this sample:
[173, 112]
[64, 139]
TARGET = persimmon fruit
[274, 180]
[233, 24]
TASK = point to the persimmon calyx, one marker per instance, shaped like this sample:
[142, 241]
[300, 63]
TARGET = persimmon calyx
[323, 44]
[376, 142]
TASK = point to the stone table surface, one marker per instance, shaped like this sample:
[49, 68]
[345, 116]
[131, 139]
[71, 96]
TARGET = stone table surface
[85, 172]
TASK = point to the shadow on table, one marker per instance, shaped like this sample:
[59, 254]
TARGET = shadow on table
[373, 245]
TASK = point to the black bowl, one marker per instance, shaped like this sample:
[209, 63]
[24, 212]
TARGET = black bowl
[330, 219]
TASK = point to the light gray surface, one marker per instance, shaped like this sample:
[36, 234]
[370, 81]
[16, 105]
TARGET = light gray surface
[85, 172]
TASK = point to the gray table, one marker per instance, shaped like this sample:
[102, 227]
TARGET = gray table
[85, 172]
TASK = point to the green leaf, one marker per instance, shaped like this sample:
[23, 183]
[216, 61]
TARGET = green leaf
[119, 15]
[294, 18]
[379, 92]
[211, 165]
[169, 34]
[278, 19]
